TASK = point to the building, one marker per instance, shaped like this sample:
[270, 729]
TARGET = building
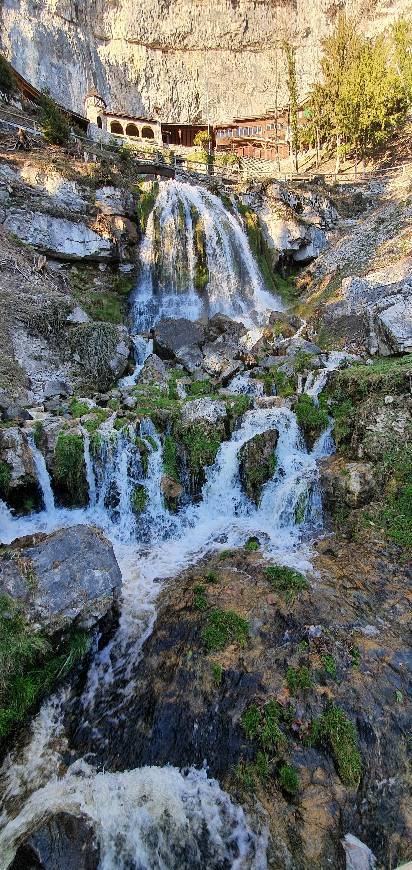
[182, 135]
[117, 123]
[264, 136]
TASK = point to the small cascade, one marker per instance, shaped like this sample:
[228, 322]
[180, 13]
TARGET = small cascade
[317, 380]
[43, 477]
[7, 524]
[91, 482]
[245, 385]
[142, 348]
[197, 261]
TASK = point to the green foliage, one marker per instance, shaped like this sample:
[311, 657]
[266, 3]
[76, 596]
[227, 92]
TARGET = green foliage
[288, 779]
[53, 123]
[7, 81]
[211, 577]
[334, 730]
[201, 388]
[69, 467]
[251, 721]
[292, 86]
[237, 406]
[355, 655]
[287, 580]
[284, 385]
[312, 419]
[202, 444]
[29, 665]
[225, 554]
[152, 442]
[79, 409]
[200, 598]
[38, 433]
[139, 498]
[151, 400]
[5, 477]
[217, 673]
[299, 679]
[144, 454]
[202, 140]
[252, 544]
[109, 304]
[201, 275]
[302, 361]
[170, 458]
[249, 775]
[145, 204]
[263, 725]
[224, 627]
[329, 665]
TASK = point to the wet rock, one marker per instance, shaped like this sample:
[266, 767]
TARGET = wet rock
[170, 487]
[207, 410]
[172, 335]
[70, 576]
[347, 483]
[64, 842]
[18, 480]
[153, 369]
[57, 388]
[300, 345]
[291, 320]
[257, 463]
[220, 324]
[358, 855]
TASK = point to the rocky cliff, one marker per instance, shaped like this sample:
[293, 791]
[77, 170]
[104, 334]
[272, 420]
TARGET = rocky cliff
[149, 56]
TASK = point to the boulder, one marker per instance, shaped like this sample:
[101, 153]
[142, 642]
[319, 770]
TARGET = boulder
[170, 487]
[56, 388]
[220, 324]
[358, 855]
[191, 358]
[65, 842]
[115, 201]
[172, 335]
[70, 576]
[102, 350]
[18, 478]
[347, 483]
[59, 237]
[153, 369]
[257, 463]
[207, 410]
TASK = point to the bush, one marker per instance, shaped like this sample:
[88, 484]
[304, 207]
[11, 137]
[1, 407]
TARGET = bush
[53, 123]
[7, 81]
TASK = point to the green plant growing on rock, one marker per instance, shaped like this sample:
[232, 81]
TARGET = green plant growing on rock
[170, 458]
[283, 384]
[53, 122]
[252, 545]
[69, 469]
[217, 673]
[299, 679]
[145, 204]
[200, 598]
[287, 580]
[224, 627]
[251, 721]
[38, 433]
[200, 388]
[334, 730]
[288, 779]
[312, 419]
[202, 444]
[5, 477]
[329, 665]
[211, 577]
[78, 408]
[140, 498]
[263, 725]
[7, 80]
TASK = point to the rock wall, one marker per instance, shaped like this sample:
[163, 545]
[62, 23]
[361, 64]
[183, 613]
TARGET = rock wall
[158, 56]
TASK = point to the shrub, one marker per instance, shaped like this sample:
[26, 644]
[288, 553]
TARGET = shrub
[53, 123]
[329, 665]
[224, 627]
[252, 544]
[336, 731]
[7, 81]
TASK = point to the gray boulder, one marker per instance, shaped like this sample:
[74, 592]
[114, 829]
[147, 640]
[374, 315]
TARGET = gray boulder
[65, 842]
[70, 576]
[358, 855]
[153, 369]
[347, 483]
[207, 410]
[257, 463]
[115, 201]
[170, 336]
[59, 237]
[57, 388]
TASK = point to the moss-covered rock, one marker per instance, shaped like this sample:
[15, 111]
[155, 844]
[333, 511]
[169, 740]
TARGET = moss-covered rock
[257, 463]
[69, 469]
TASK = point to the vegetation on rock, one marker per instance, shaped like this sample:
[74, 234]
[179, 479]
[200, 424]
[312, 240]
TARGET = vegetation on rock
[140, 498]
[312, 419]
[69, 470]
[224, 627]
[334, 730]
[53, 122]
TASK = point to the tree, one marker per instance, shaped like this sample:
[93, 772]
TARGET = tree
[202, 140]
[53, 123]
[293, 100]
[7, 82]
[402, 41]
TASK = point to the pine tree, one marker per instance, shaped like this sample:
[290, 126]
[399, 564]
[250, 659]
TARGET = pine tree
[53, 123]
[293, 100]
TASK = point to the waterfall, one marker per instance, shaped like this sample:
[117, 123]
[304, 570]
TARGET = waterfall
[91, 482]
[170, 285]
[43, 477]
[142, 348]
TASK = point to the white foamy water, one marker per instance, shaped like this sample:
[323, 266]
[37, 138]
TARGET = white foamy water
[43, 477]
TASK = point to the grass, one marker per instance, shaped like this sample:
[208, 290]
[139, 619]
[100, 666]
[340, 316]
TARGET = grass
[226, 554]
[105, 304]
[5, 477]
[200, 389]
[249, 774]
[139, 499]
[69, 466]
[288, 779]
[299, 679]
[224, 627]
[202, 444]
[334, 730]
[29, 664]
[396, 515]
[287, 580]
[263, 725]
[329, 665]
[38, 433]
[170, 458]
[312, 419]
[252, 545]
[200, 598]
[79, 409]
[211, 577]
[236, 406]
[217, 673]
[384, 375]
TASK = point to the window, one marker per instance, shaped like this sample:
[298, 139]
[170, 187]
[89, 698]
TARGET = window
[147, 133]
[116, 127]
[99, 122]
[132, 130]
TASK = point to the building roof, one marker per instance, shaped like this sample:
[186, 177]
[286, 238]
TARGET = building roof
[93, 92]
[126, 117]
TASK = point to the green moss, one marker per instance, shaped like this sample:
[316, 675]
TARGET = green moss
[170, 458]
[200, 598]
[79, 409]
[5, 477]
[38, 433]
[151, 400]
[201, 271]
[217, 673]
[144, 454]
[224, 627]
[29, 664]
[139, 499]
[284, 579]
[200, 388]
[334, 730]
[152, 442]
[288, 779]
[259, 246]
[257, 467]
[329, 665]
[344, 414]
[211, 577]
[100, 415]
[312, 419]
[396, 515]
[237, 406]
[299, 679]
[283, 384]
[263, 725]
[302, 361]
[202, 444]
[145, 205]
[251, 721]
[109, 303]
[252, 544]
[69, 467]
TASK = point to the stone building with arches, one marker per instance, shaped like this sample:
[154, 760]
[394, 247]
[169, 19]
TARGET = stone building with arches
[117, 124]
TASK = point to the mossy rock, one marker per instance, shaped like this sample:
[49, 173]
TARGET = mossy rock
[257, 463]
[69, 469]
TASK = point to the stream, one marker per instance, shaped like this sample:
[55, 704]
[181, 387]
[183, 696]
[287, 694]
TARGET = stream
[161, 817]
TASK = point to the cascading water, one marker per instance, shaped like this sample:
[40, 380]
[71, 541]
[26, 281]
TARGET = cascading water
[170, 284]
[42, 477]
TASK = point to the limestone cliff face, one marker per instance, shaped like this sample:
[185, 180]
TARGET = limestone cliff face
[149, 56]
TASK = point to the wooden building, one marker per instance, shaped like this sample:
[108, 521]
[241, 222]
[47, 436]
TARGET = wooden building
[265, 136]
[182, 134]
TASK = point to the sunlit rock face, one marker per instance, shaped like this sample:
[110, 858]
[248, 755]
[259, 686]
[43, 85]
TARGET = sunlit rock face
[151, 56]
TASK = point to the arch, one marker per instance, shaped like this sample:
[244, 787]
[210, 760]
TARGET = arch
[147, 133]
[132, 130]
[99, 122]
[116, 127]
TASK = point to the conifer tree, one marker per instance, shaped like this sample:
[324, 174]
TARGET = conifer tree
[293, 100]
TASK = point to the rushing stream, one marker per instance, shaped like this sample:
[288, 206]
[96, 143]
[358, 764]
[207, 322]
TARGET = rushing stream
[157, 817]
